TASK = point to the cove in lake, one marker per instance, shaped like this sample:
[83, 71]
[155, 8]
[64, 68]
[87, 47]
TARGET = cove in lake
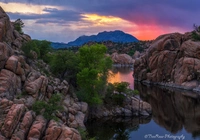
[122, 74]
[176, 116]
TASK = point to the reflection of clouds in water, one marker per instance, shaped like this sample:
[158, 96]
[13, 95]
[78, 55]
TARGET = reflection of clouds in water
[121, 74]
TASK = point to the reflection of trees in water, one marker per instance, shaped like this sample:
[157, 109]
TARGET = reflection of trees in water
[173, 109]
[114, 129]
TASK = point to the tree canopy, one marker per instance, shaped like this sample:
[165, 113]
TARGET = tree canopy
[92, 78]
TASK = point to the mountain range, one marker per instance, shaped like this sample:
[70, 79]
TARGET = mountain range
[114, 36]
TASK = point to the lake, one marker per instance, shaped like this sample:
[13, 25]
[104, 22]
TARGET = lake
[176, 115]
[122, 74]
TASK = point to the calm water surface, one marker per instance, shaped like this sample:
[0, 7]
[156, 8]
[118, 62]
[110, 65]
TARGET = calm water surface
[122, 74]
[176, 115]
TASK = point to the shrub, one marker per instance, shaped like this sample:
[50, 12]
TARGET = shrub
[49, 109]
[196, 33]
[28, 48]
[18, 25]
[121, 87]
[118, 99]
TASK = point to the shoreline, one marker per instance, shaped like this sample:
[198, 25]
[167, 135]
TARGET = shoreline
[172, 86]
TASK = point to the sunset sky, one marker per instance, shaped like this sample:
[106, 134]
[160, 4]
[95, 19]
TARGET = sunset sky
[65, 20]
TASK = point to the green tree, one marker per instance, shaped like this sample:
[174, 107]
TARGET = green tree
[92, 78]
[18, 25]
[44, 48]
[64, 64]
[28, 49]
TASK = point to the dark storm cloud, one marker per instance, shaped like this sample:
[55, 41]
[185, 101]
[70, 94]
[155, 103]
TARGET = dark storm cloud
[162, 12]
[53, 15]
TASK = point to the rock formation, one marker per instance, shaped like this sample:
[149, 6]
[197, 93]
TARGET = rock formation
[21, 84]
[132, 107]
[171, 60]
[122, 59]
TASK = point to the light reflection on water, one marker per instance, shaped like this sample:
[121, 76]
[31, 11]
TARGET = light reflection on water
[122, 74]
[176, 113]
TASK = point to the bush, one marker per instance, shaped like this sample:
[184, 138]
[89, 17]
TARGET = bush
[28, 49]
[44, 48]
[196, 33]
[118, 98]
[18, 25]
[49, 109]
[121, 87]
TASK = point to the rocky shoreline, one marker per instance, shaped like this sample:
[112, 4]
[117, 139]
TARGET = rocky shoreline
[133, 107]
[22, 84]
[170, 85]
[172, 60]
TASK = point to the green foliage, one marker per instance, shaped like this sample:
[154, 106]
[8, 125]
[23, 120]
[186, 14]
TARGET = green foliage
[117, 92]
[24, 93]
[64, 64]
[28, 49]
[44, 48]
[136, 92]
[118, 99]
[18, 25]
[84, 134]
[48, 109]
[121, 87]
[92, 78]
[196, 33]
[131, 52]
[196, 28]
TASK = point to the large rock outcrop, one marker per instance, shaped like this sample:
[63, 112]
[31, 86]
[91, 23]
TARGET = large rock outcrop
[172, 60]
[122, 59]
[21, 84]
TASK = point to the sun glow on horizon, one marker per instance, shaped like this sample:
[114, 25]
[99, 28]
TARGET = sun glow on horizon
[151, 32]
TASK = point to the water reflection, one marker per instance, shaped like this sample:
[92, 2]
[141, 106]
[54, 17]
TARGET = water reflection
[119, 74]
[174, 110]
[114, 128]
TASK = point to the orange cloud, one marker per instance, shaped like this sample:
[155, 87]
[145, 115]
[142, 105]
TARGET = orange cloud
[101, 20]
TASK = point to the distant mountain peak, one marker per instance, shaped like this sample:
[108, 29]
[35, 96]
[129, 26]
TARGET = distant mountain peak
[114, 36]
